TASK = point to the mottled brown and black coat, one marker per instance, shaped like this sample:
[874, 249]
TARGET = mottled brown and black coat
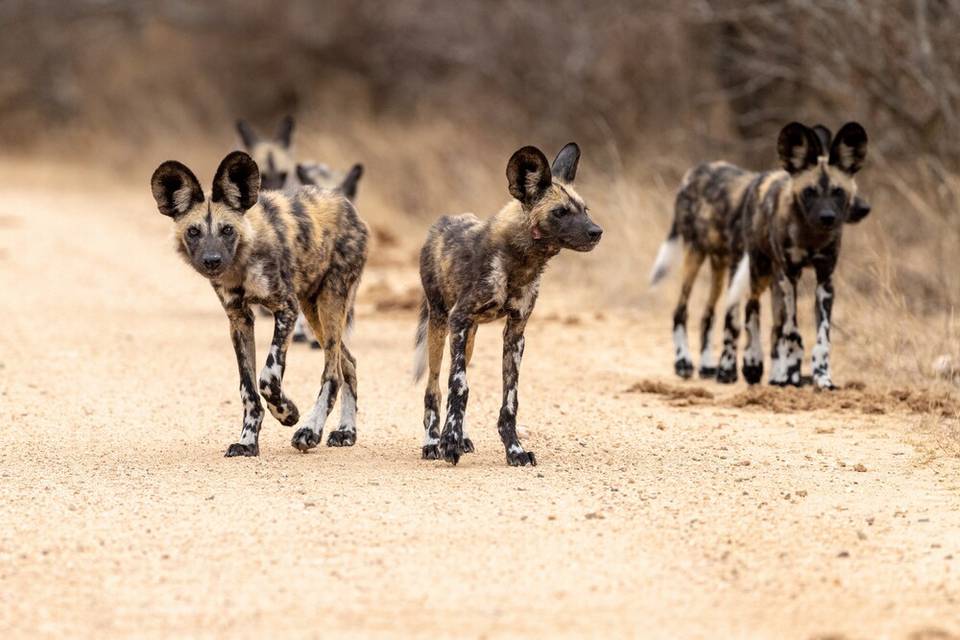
[793, 219]
[302, 249]
[707, 226]
[475, 271]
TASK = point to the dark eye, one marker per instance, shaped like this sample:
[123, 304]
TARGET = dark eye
[226, 231]
[838, 193]
[560, 212]
[809, 193]
[282, 177]
[193, 232]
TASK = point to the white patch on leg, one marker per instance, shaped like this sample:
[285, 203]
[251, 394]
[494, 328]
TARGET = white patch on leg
[680, 343]
[753, 354]
[318, 415]
[459, 386]
[821, 350]
[251, 425]
[348, 410]
[430, 421]
[515, 448]
[707, 359]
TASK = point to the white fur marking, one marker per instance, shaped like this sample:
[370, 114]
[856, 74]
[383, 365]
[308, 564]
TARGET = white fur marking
[740, 284]
[667, 256]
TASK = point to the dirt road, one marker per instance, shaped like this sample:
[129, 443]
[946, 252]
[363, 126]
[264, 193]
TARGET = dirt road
[647, 516]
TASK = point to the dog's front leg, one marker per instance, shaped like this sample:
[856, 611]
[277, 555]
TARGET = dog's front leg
[451, 439]
[822, 378]
[271, 378]
[241, 334]
[513, 343]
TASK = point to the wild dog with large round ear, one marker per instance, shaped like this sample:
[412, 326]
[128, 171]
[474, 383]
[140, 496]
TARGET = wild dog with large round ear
[302, 249]
[707, 226]
[475, 272]
[274, 155]
[792, 220]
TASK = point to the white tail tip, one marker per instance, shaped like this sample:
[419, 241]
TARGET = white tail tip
[739, 285]
[667, 256]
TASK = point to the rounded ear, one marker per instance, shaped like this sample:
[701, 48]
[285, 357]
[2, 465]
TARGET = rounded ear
[823, 134]
[247, 135]
[285, 131]
[349, 184]
[303, 175]
[175, 189]
[859, 209]
[798, 147]
[849, 148]
[566, 163]
[528, 174]
[237, 182]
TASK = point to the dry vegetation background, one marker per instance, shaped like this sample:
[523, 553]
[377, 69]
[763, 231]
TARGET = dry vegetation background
[434, 95]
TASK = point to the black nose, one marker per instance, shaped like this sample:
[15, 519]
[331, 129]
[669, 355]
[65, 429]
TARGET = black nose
[212, 262]
[595, 233]
[828, 218]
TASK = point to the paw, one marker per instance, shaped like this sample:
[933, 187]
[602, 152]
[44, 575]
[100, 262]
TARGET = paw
[430, 452]
[824, 384]
[342, 438]
[684, 368]
[521, 458]
[727, 375]
[451, 448]
[752, 372]
[286, 414]
[305, 439]
[245, 450]
[707, 373]
[467, 445]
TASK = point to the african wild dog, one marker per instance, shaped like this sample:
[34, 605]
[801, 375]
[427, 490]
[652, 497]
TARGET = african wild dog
[302, 249]
[793, 219]
[706, 219]
[476, 271]
[346, 183]
[274, 156]
[323, 176]
[279, 170]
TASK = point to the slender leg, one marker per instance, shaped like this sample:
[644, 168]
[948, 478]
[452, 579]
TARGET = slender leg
[326, 316]
[824, 310]
[436, 339]
[727, 369]
[789, 349]
[471, 338]
[513, 343]
[753, 352]
[683, 364]
[708, 363]
[778, 370]
[271, 378]
[346, 433]
[451, 438]
[241, 334]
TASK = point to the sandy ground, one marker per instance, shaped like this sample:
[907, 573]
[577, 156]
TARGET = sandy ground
[648, 515]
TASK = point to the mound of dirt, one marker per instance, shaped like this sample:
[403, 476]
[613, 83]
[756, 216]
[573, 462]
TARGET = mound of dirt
[851, 397]
[678, 396]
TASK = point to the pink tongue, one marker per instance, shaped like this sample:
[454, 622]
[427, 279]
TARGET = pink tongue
[535, 232]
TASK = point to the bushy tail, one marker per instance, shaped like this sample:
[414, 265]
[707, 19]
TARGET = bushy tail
[739, 285]
[420, 357]
[667, 256]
